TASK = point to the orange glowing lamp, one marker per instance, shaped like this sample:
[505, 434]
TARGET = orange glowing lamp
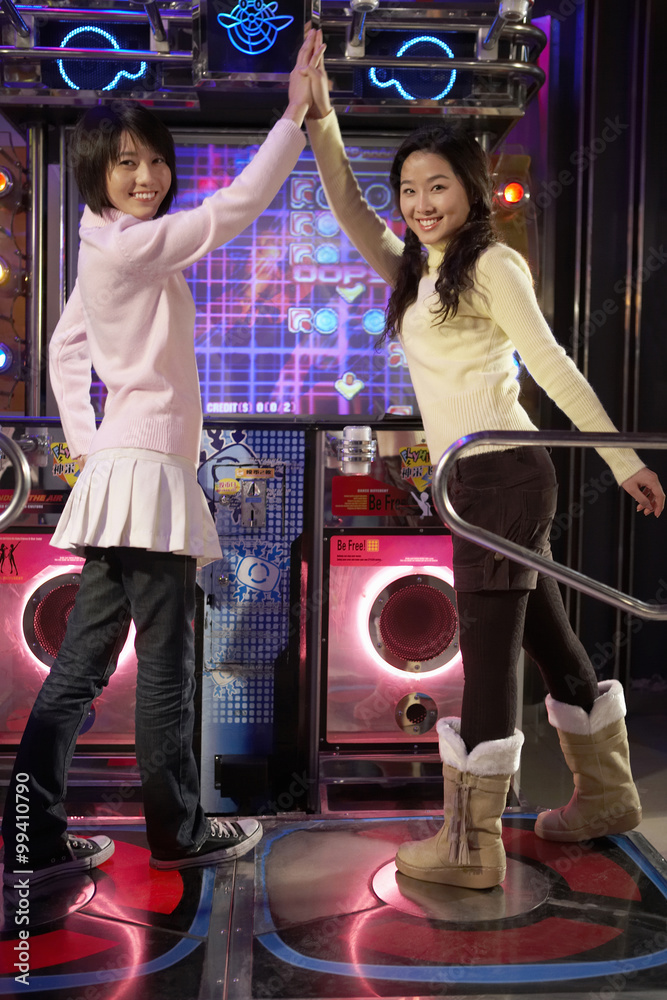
[6, 182]
[513, 193]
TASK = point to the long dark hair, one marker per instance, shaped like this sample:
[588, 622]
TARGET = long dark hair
[95, 145]
[455, 276]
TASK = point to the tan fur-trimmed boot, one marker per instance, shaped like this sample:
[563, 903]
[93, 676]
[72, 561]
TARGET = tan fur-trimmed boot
[595, 745]
[468, 851]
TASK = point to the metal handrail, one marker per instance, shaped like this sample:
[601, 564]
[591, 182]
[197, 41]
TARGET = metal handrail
[500, 67]
[22, 488]
[40, 53]
[489, 540]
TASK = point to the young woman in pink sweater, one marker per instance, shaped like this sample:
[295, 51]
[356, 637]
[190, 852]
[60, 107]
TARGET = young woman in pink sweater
[461, 304]
[136, 511]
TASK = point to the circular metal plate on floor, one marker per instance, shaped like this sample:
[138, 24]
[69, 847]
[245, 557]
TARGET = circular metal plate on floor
[524, 889]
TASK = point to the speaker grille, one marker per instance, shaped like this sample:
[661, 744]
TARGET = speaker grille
[51, 614]
[418, 622]
[46, 613]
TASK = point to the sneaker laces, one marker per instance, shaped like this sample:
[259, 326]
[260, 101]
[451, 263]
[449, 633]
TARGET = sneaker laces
[79, 843]
[222, 829]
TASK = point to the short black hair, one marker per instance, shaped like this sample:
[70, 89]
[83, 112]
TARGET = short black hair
[96, 144]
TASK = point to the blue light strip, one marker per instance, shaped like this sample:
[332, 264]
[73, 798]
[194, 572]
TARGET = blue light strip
[642, 862]
[488, 974]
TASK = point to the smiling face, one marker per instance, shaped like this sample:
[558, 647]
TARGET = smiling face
[433, 200]
[139, 180]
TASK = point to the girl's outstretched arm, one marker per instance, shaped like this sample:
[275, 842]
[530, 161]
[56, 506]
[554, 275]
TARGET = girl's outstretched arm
[176, 241]
[504, 280]
[376, 243]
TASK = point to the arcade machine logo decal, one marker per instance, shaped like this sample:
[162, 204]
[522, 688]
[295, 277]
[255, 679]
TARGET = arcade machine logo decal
[64, 466]
[365, 496]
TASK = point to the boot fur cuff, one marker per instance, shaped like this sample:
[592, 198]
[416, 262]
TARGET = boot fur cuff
[486, 759]
[607, 708]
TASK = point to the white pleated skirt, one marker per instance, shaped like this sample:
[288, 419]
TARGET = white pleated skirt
[142, 499]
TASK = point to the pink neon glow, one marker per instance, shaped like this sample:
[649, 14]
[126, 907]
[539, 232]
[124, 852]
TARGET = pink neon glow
[374, 586]
[50, 573]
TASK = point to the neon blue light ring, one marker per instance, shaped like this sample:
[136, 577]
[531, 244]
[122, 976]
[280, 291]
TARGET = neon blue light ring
[252, 27]
[372, 73]
[114, 45]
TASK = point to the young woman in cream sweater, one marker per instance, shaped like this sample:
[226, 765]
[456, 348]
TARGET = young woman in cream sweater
[461, 304]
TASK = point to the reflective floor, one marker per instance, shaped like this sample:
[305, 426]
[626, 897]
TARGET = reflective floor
[319, 911]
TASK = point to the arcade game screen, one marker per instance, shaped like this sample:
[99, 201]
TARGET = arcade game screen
[288, 314]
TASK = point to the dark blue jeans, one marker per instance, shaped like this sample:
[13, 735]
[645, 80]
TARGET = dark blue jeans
[156, 590]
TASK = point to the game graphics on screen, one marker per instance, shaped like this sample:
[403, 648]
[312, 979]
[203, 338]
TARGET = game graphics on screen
[288, 314]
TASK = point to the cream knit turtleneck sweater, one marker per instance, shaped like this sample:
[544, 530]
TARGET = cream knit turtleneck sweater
[463, 369]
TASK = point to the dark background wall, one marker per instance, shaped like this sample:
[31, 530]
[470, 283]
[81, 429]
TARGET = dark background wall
[605, 245]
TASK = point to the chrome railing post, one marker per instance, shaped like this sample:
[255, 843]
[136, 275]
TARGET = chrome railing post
[22, 488]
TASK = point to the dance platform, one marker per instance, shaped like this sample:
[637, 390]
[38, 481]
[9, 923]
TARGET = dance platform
[318, 911]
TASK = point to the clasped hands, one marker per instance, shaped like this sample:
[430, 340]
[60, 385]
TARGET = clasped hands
[308, 95]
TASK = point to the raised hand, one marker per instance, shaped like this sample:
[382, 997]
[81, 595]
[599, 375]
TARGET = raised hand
[300, 90]
[321, 104]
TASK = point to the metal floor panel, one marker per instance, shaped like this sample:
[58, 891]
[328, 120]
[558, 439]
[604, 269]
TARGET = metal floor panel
[319, 912]
[334, 919]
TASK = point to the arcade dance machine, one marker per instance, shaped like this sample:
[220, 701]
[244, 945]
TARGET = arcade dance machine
[327, 635]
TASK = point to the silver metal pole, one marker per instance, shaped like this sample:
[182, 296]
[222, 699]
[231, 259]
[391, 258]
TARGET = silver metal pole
[101, 14]
[35, 317]
[13, 16]
[499, 68]
[157, 27]
[41, 52]
[62, 221]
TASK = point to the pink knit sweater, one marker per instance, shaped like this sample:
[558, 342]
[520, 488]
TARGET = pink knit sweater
[131, 315]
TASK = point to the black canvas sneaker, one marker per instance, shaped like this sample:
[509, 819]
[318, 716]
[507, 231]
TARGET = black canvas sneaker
[79, 855]
[226, 840]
